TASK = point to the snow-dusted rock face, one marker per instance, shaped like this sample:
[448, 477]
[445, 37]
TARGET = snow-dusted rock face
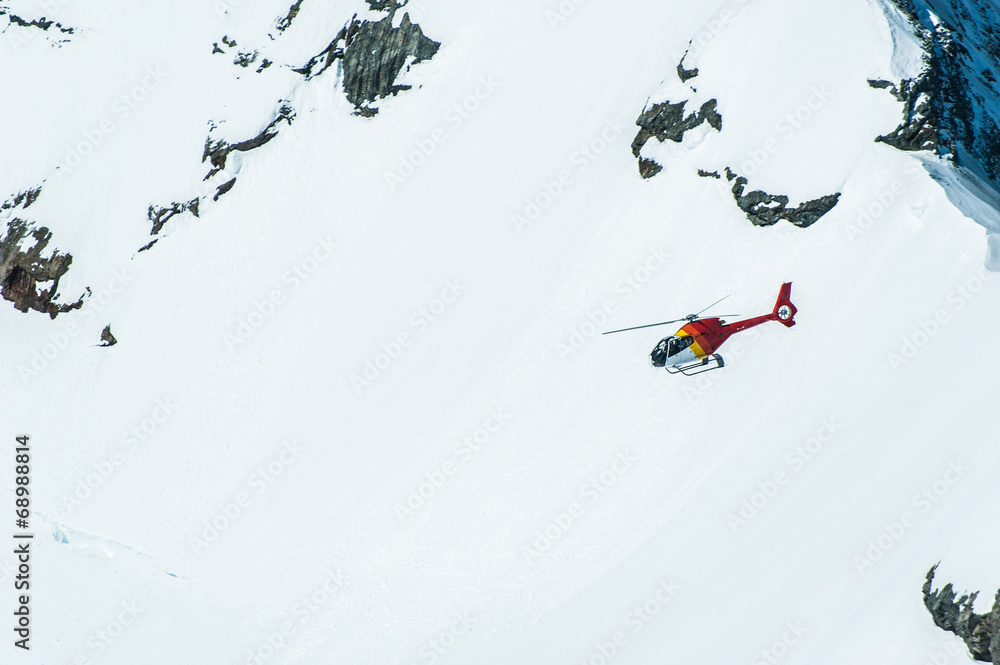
[107, 339]
[373, 54]
[667, 121]
[981, 632]
[31, 270]
[952, 106]
[370, 54]
[43, 24]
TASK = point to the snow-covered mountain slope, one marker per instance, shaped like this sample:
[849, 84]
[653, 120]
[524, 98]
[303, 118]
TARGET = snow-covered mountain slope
[360, 411]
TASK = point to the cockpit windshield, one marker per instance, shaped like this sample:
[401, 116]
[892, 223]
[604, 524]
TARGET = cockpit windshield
[677, 344]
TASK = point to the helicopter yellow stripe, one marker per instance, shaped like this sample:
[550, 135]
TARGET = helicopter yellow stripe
[698, 351]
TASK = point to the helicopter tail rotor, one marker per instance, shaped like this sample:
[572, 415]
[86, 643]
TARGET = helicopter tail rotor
[784, 311]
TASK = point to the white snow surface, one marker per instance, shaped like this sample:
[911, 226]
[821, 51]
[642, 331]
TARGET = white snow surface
[504, 406]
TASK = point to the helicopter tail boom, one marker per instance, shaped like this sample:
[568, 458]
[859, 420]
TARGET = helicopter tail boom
[783, 313]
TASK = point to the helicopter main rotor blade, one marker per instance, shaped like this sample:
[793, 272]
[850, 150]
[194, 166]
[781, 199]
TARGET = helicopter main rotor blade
[690, 317]
[711, 306]
[650, 325]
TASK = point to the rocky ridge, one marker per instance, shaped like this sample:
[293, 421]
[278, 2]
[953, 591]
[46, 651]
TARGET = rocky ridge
[29, 270]
[980, 632]
[953, 106]
[764, 209]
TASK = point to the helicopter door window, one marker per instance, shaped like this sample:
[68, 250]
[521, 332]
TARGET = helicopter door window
[678, 344]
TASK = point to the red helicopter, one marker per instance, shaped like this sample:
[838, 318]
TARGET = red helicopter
[692, 349]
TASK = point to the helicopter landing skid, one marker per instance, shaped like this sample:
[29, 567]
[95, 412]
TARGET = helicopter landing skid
[706, 364]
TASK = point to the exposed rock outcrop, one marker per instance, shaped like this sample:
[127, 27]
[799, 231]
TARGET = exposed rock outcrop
[980, 632]
[953, 107]
[666, 120]
[217, 152]
[22, 199]
[373, 55]
[30, 272]
[286, 22]
[245, 58]
[160, 216]
[685, 74]
[320, 62]
[764, 209]
[42, 23]
[379, 54]
[107, 339]
[918, 131]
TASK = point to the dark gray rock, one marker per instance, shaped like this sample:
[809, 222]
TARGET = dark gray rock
[217, 152]
[385, 5]
[107, 339]
[226, 41]
[377, 57]
[980, 632]
[41, 23]
[245, 58]
[954, 106]
[160, 216]
[373, 55]
[22, 199]
[685, 75]
[666, 121]
[223, 188]
[648, 167]
[322, 61]
[918, 130]
[24, 268]
[764, 209]
[286, 22]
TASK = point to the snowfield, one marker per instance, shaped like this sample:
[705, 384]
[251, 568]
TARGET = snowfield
[360, 409]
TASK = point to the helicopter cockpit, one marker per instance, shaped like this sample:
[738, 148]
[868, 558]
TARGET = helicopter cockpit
[669, 347]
